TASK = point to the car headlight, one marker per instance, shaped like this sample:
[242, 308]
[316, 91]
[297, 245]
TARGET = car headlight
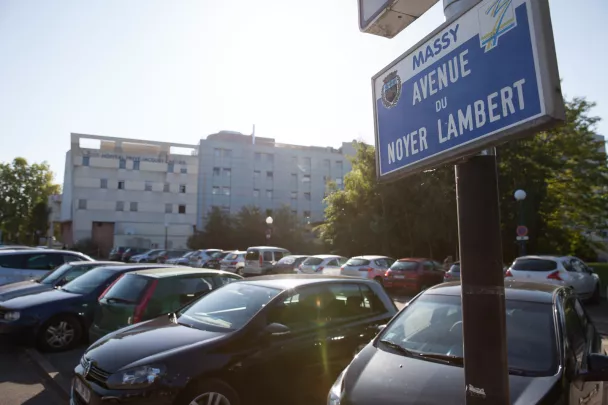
[12, 316]
[335, 393]
[137, 377]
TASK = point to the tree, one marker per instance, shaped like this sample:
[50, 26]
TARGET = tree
[218, 232]
[22, 186]
[249, 227]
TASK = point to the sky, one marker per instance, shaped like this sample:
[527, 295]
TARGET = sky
[178, 70]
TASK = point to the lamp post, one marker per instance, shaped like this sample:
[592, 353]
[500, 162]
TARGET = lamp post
[269, 222]
[520, 196]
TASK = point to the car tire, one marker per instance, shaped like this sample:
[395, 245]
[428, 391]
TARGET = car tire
[60, 333]
[239, 271]
[209, 391]
[596, 297]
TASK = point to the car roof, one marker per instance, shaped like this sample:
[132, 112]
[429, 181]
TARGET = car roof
[177, 271]
[289, 281]
[36, 250]
[546, 257]
[297, 256]
[265, 247]
[326, 256]
[371, 257]
[412, 259]
[134, 266]
[514, 290]
[96, 263]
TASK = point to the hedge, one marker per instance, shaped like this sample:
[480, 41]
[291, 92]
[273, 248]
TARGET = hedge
[601, 269]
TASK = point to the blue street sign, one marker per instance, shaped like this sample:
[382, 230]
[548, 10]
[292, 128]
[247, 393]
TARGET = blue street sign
[487, 76]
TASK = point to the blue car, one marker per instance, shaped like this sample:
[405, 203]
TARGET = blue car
[56, 278]
[59, 319]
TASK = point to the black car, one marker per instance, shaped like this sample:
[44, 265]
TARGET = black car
[554, 352]
[130, 252]
[278, 337]
[58, 319]
[56, 278]
[289, 264]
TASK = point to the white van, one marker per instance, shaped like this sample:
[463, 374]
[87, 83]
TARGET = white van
[21, 265]
[261, 260]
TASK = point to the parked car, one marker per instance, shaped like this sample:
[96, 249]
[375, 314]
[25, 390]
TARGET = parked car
[182, 261]
[146, 257]
[453, 274]
[561, 270]
[56, 278]
[414, 274]
[170, 254]
[216, 260]
[202, 256]
[554, 357]
[261, 260]
[130, 252]
[60, 318]
[27, 264]
[372, 267]
[234, 262]
[325, 264]
[145, 294]
[117, 252]
[254, 339]
[289, 264]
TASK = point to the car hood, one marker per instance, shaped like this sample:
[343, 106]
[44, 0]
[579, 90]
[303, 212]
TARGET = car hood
[376, 376]
[144, 343]
[10, 291]
[42, 298]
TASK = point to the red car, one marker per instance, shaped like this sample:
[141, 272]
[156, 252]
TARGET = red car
[416, 274]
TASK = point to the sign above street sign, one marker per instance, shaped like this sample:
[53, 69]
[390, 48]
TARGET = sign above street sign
[521, 230]
[485, 77]
[387, 18]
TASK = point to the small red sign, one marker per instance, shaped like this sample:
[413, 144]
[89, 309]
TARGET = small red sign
[522, 230]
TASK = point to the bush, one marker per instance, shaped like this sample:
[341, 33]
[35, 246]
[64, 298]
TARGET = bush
[601, 269]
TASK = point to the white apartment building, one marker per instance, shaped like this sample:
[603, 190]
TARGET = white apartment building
[128, 192]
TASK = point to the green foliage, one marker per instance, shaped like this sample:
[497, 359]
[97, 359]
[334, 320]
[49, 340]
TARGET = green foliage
[561, 170]
[24, 189]
[248, 228]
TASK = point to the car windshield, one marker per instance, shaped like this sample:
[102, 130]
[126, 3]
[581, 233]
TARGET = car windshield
[404, 265]
[232, 256]
[432, 324]
[89, 282]
[534, 265]
[128, 289]
[357, 262]
[55, 275]
[228, 308]
[313, 261]
[188, 254]
[288, 260]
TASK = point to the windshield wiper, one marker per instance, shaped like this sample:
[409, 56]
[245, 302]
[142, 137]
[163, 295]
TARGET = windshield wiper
[443, 357]
[119, 301]
[399, 348]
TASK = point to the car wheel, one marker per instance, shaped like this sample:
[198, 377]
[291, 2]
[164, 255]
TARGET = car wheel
[213, 392]
[60, 333]
[239, 271]
[596, 297]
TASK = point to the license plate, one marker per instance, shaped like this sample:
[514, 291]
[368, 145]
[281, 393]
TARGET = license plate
[82, 390]
[400, 277]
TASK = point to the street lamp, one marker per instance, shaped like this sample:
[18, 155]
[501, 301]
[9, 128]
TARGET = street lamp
[269, 222]
[520, 196]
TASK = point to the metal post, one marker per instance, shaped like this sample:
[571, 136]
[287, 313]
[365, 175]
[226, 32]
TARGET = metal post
[166, 236]
[522, 243]
[483, 299]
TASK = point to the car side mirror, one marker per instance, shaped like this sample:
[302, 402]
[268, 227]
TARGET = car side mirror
[597, 368]
[276, 330]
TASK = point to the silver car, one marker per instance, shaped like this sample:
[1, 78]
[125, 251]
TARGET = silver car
[453, 274]
[323, 264]
[234, 262]
[370, 267]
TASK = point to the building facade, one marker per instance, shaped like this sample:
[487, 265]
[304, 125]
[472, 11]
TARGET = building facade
[237, 170]
[128, 192]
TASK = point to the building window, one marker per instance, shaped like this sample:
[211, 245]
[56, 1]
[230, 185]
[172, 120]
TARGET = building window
[294, 178]
[307, 161]
[181, 209]
[120, 205]
[122, 164]
[256, 193]
[136, 165]
[82, 204]
[121, 185]
[258, 156]
[307, 196]
[216, 171]
[226, 190]
[183, 170]
[227, 172]
[339, 166]
[256, 174]
[269, 194]
[168, 208]
[306, 178]
[148, 186]
[104, 183]
[170, 167]
[270, 157]
[217, 152]
[166, 188]
[133, 206]
[215, 190]
[182, 188]
[269, 176]
[307, 214]
[294, 195]
[85, 160]
[227, 153]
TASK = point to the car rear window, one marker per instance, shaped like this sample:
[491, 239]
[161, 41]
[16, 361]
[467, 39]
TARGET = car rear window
[232, 256]
[291, 259]
[253, 254]
[357, 262]
[405, 265]
[129, 288]
[534, 265]
[313, 261]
